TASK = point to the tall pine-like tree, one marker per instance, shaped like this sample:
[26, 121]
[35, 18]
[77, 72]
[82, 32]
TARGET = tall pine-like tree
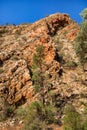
[38, 71]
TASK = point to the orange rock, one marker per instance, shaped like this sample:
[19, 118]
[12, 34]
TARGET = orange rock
[18, 48]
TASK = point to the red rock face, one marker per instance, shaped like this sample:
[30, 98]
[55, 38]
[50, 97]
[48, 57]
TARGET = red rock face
[18, 45]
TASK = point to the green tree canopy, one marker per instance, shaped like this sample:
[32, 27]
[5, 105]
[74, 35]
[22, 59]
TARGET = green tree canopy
[84, 14]
[81, 39]
[72, 119]
[38, 73]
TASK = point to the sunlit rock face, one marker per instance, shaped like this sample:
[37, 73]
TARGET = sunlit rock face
[17, 47]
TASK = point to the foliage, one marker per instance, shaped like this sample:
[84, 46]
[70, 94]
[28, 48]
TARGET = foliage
[84, 123]
[38, 56]
[72, 119]
[39, 114]
[20, 112]
[84, 14]
[6, 109]
[81, 43]
[38, 117]
[38, 74]
[11, 109]
[81, 40]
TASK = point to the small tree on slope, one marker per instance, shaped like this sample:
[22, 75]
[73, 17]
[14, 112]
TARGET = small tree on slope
[81, 40]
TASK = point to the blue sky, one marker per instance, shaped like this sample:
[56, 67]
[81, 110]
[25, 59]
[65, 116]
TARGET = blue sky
[23, 11]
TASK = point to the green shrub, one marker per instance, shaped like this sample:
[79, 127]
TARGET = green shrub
[11, 109]
[21, 112]
[6, 110]
[84, 14]
[84, 116]
[33, 119]
[85, 125]
[72, 119]
[38, 116]
[81, 40]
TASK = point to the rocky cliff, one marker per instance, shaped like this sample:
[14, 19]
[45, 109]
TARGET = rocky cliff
[57, 34]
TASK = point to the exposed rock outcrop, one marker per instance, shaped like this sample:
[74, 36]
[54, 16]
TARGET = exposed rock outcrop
[17, 47]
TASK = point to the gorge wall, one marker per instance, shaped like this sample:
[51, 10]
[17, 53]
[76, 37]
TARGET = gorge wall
[57, 34]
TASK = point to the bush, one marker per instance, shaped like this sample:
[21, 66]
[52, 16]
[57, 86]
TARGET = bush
[85, 125]
[72, 119]
[84, 116]
[33, 119]
[81, 40]
[38, 116]
[11, 109]
[20, 112]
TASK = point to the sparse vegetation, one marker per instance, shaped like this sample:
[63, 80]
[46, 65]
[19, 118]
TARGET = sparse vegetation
[3, 109]
[36, 116]
[72, 119]
[84, 117]
[38, 73]
[20, 112]
[71, 64]
[11, 109]
[6, 109]
[39, 114]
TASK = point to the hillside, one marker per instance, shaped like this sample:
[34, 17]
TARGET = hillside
[57, 34]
